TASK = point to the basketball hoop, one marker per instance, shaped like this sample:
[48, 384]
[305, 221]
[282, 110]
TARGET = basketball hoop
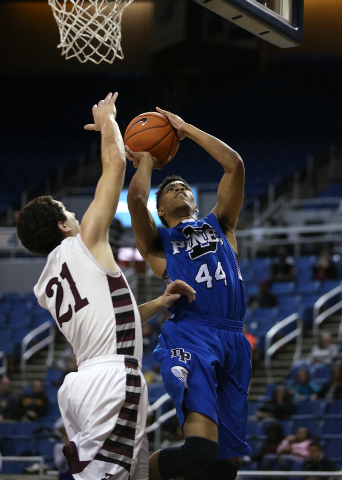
[90, 30]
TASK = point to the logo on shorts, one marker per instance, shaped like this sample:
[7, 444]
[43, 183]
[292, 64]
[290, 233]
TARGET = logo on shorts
[181, 353]
[108, 475]
[182, 374]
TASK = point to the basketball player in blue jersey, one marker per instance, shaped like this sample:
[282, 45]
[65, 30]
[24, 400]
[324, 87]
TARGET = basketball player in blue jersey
[205, 359]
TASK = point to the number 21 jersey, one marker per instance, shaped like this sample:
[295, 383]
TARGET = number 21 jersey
[93, 307]
[199, 253]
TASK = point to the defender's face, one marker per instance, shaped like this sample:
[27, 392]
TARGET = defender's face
[177, 196]
[71, 221]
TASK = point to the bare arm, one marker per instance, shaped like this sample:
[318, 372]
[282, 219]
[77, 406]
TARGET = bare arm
[172, 293]
[98, 217]
[231, 187]
[143, 225]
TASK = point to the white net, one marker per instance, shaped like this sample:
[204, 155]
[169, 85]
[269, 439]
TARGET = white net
[90, 30]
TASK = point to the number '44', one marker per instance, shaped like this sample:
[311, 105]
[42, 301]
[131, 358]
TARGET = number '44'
[203, 275]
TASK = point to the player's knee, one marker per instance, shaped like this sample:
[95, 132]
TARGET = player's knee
[195, 455]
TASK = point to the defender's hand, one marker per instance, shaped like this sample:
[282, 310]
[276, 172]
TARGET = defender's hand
[103, 112]
[176, 121]
[175, 290]
[137, 157]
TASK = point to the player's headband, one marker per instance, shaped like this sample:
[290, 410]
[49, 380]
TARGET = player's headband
[176, 181]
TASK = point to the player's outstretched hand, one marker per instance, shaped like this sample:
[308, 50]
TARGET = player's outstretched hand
[175, 290]
[104, 111]
[137, 157]
[176, 121]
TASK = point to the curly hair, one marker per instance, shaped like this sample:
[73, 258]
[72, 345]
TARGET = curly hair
[166, 181]
[37, 226]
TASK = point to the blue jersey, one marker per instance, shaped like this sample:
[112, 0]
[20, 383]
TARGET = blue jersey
[199, 253]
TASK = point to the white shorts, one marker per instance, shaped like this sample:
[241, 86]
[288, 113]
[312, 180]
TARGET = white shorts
[104, 409]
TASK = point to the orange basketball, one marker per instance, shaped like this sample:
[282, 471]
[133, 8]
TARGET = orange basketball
[152, 132]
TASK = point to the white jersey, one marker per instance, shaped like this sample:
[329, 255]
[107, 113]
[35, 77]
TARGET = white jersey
[93, 307]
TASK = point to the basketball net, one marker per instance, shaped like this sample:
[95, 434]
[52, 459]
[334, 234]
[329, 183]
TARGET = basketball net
[90, 30]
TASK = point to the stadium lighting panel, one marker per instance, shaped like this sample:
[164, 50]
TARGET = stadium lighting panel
[277, 21]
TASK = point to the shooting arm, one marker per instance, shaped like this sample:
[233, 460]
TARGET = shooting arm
[143, 225]
[230, 190]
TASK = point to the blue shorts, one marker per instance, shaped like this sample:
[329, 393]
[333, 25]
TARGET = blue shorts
[205, 363]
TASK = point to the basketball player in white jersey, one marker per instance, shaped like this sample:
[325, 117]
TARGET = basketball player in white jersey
[104, 404]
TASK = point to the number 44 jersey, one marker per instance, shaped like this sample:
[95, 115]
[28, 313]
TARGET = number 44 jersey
[199, 253]
[93, 307]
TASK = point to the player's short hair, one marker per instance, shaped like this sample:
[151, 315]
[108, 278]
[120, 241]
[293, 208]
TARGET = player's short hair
[166, 181]
[37, 226]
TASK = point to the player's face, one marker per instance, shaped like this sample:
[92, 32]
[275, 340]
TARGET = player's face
[71, 221]
[177, 198]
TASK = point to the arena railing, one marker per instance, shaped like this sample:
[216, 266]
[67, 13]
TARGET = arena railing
[251, 240]
[26, 353]
[38, 459]
[295, 334]
[318, 318]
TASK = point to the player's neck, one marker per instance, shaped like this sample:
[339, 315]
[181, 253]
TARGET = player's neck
[174, 221]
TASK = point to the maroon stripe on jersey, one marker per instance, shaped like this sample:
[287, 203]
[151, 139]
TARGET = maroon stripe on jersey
[125, 335]
[131, 363]
[116, 283]
[123, 321]
[122, 300]
[125, 351]
[121, 303]
[129, 313]
[133, 380]
[103, 458]
[128, 414]
[122, 431]
[133, 398]
[118, 447]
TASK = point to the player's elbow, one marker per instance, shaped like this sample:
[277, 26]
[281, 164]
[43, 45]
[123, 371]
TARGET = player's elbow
[134, 199]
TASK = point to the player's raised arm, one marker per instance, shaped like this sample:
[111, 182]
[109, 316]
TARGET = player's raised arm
[97, 219]
[143, 224]
[230, 190]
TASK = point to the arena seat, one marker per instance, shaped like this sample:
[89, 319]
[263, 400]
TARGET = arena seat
[314, 426]
[312, 407]
[7, 428]
[334, 407]
[333, 426]
[26, 428]
[333, 449]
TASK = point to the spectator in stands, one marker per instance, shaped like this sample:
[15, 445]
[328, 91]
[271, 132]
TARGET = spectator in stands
[303, 387]
[263, 298]
[324, 269]
[33, 404]
[256, 354]
[332, 390]
[280, 406]
[8, 400]
[282, 270]
[317, 462]
[325, 352]
[274, 436]
[150, 338]
[291, 453]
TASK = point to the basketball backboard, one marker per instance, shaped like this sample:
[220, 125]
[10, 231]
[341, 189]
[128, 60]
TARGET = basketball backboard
[277, 21]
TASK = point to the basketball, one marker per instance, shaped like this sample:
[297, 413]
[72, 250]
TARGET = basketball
[152, 132]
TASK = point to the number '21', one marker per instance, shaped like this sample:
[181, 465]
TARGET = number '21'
[79, 302]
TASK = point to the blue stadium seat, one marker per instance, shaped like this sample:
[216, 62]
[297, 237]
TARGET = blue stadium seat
[19, 320]
[333, 449]
[26, 428]
[45, 448]
[282, 288]
[254, 428]
[312, 407]
[252, 408]
[155, 392]
[23, 447]
[334, 407]
[13, 468]
[333, 426]
[308, 288]
[53, 410]
[320, 370]
[7, 428]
